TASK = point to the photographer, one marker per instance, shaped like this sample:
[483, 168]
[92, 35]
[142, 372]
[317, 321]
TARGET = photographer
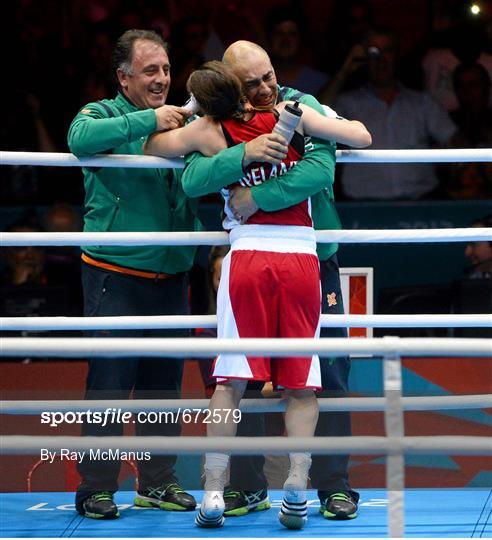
[397, 117]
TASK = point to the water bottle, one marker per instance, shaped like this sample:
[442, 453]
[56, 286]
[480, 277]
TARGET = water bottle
[191, 105]
[288, 121]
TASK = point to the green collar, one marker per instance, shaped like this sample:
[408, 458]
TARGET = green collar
[122, 101]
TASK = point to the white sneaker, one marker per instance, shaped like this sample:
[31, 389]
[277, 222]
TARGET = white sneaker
[293, 512]
[211, 514]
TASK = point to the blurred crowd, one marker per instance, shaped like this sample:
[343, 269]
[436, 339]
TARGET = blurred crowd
[351, 60]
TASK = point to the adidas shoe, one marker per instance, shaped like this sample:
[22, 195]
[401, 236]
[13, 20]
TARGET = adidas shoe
[293, 512]
[211, 514]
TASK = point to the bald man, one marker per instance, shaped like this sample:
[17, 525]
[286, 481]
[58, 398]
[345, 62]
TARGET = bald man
[312, 177]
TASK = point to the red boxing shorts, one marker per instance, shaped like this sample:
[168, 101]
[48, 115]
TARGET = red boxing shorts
[270, 287]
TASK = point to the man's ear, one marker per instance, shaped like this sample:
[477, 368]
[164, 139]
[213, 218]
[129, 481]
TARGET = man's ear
[122, 78]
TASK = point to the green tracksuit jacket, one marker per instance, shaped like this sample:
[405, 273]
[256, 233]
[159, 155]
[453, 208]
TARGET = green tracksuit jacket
[130, 199]
[312, 177]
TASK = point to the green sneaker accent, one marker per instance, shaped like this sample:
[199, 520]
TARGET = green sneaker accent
[329, 515]
[339, 506]
[240, 503]
[173, 507]
[237, 504]
[95, 506]
[146, 503]
[237, 512]
[263, 506]
[169, 497]
[138, 501]
[99, 516]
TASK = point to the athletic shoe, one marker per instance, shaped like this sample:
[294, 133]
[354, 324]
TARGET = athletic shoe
[211, 514]
[99, 505]
[339, 506]
[168, 497]
[293, 512]
[239, 503]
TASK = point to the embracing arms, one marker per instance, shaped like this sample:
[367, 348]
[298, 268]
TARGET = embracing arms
[350, 132]
[93, 130]
[201, 135]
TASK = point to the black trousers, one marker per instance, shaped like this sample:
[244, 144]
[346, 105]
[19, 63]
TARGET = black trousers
[329, 473]
[110, 293]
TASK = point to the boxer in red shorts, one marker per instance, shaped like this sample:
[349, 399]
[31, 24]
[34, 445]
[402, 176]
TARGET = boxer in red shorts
[270, 279]
[270, 284]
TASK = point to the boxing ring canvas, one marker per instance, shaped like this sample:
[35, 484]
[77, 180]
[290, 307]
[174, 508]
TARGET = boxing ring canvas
[428, 514]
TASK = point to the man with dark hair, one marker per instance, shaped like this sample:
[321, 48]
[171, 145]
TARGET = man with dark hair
[312, 177]
[397, 117]
[140, 280]
[286, 31]
[479, 253]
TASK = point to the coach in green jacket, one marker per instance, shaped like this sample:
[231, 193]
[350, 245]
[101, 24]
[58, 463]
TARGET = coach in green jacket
[133, 280]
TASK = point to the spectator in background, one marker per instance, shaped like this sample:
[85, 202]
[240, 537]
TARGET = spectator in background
[64, 261]
[397, 117]
[465, 43]
[97, 82]
[474, 293]
[62, 218]
[25, 265]
[235, 19]
[468, 181]
[286, 31]
[29, 286]
[473, 116]
[480, 253]
[187, 43]
[351, 23]
[24, 129]
[473, 119]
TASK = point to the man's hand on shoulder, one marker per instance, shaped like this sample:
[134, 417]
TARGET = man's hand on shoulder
[170, 117]
[241, 203]
[269, 148]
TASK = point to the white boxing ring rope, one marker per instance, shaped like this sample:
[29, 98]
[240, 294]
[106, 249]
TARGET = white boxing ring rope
[207, 348]
[359, 236]
[154, 322]
[394, 445]
[263, 405]
[57, 159]
[361, 445]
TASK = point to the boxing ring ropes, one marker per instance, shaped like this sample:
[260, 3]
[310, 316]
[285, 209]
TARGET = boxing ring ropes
[395, 445]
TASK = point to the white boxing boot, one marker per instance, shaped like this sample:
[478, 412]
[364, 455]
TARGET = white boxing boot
[211, 514]
[293, 512]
